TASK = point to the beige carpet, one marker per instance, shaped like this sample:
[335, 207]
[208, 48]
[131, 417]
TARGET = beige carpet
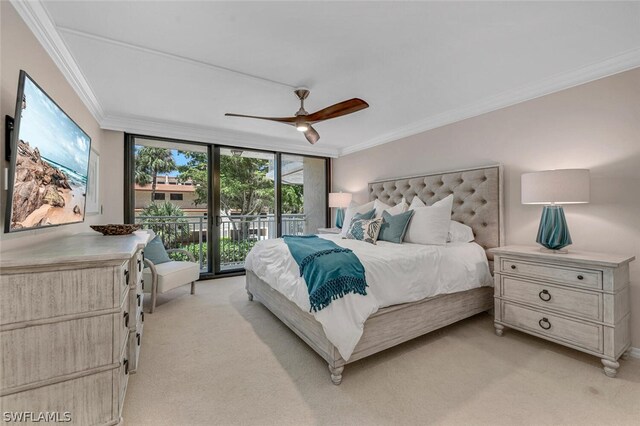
[216, 358]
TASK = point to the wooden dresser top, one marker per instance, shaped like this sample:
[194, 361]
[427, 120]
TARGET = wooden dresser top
[574, 256]
[73, 249]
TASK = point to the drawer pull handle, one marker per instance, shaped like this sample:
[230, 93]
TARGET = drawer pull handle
[125, 363]
[126, 277]
[138, 297]
[513, 266]
[580, 277]
[142, 316]
[544, 324]
[142, 283]
[126, 319]
[138, 337]
[139, 265]
[544, 295]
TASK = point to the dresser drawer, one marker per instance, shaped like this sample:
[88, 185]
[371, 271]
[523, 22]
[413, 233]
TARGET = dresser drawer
[581, 303]
[125, 280]
[126, 320]
[579, 277]
[577, 333]
[47, 351]
[123, 377]
[136, 302]
[135, 343]
[88, 400]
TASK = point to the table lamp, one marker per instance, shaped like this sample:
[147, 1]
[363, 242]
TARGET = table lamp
[552, 188]
[339, 200]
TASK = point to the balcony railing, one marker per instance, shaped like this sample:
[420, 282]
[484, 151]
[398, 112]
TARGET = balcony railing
[238, 234]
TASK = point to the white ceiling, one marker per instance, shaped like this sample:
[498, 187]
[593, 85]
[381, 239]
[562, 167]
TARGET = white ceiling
[175, 68]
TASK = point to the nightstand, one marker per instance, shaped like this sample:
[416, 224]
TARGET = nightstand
[579, 299]
[329, 230]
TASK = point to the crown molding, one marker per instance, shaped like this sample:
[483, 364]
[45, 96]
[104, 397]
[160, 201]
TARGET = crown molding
[617, 64]
[174, 57]
[197, 133]
[39, 22]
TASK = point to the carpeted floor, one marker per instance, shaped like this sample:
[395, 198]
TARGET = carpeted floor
[216, 358]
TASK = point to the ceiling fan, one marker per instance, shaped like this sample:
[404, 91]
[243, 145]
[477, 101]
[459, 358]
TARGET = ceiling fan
[303, 120]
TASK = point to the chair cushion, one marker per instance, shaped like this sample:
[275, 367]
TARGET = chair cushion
[171, 275]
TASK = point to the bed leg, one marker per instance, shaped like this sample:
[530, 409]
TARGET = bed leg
[499, 329]
[249, 296]
[336, 374]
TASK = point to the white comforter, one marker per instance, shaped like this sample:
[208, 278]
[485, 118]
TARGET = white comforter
[395, 273]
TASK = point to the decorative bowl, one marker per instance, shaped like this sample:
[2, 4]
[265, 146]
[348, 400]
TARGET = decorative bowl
[116, 229]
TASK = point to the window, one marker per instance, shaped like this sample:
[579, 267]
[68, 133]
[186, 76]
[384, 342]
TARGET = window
[223, 200]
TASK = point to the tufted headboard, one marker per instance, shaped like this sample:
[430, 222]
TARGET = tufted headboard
[477, 198]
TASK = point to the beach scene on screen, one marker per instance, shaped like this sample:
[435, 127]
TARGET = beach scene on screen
[50, 180]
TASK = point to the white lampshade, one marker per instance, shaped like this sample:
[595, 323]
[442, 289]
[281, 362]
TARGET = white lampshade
[339, 199]
[566, 186]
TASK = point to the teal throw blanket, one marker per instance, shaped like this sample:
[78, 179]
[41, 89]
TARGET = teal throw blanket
[329, 270]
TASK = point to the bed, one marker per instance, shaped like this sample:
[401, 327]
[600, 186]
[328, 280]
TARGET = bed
[447, 283]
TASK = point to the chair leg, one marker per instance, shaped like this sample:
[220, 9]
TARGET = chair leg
[154, 294]
[193, 287]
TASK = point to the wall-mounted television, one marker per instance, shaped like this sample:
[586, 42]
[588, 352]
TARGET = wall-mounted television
[49, 163]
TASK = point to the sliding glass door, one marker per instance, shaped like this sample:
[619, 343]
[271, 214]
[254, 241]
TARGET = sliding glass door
[217, 202]
[247, 204]
[171, 194]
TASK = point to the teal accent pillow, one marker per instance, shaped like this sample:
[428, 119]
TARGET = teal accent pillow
[371, 214]
[394, 227]
[365, 216]
[156, 252]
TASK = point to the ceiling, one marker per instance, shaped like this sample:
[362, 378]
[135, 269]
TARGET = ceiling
[174, 68]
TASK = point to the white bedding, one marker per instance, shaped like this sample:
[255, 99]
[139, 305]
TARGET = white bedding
[395, 273]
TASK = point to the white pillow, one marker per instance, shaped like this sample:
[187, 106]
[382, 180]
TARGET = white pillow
[351, 210]
[460, 233]
[416, 202]
[430, 225]
[379, 206]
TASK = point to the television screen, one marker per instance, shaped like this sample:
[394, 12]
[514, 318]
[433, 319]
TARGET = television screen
[49, 162]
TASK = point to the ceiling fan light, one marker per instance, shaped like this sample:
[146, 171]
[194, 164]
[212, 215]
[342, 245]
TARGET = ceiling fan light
[302, 127]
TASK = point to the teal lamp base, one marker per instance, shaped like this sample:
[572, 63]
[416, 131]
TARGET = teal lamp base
[339, 218]
[553, 233]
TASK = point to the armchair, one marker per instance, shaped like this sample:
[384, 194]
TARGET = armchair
[169, 275]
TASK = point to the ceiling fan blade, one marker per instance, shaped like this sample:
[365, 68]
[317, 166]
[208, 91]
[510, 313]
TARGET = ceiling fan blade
[337, 110]
[311, 135]
[285, 120]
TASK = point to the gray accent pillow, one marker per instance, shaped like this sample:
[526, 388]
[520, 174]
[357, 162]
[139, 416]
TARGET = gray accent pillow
[394, 226]
[155, 251]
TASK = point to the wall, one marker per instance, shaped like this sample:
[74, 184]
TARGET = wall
[19, 49]
[314, 193]
[595, 126]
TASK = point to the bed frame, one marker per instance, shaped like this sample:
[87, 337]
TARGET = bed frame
[478, 196]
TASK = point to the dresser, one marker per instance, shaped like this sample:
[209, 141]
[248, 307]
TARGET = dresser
[579, 299]
[71, 326]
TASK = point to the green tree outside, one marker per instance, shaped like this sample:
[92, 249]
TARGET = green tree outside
[150, 162]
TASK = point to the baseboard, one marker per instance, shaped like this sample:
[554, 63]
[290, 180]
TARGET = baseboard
[635, 352]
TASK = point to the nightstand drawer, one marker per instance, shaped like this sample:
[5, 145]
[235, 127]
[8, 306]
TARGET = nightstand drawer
[576, 333]
[579, 277]
[581, 303]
